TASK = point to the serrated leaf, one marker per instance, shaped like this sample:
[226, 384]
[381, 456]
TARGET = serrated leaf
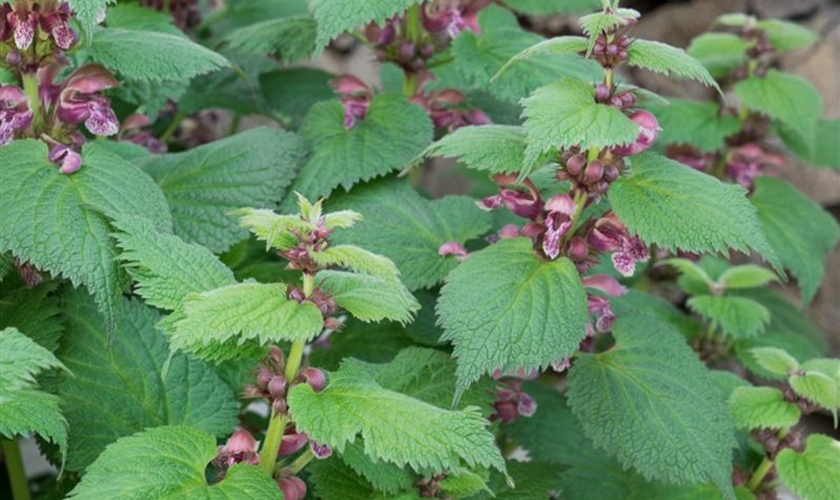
[635, 300]
[288, 38]
[237, 88]
[775, 360]
[800, 232]
[786, 35]
[505, 308]
[120, 386]
[667, 60]
[167, 463]
[202, 185]
[556, 45]
[333, 479]
[720, 53]
[762, 408]
[463, 484]
[334, 18]
[358, 260]
[824, 151]
[60, 223]
[383, 476]
[596, 23]
[272, 228]
[692, 271]
[395, 428]
[696, 123]
[236, 313]
[784, 97]
[565, 114]
[132, 16]
[746, 276]
[35, 312]
[813, 474]
[166, 268]
[24, 408]
[493, 148]
[369, 298]
[642, 401]
[408, 229]
[737, 317]
[391, 135]
[817, 387]
[677, 207]
[88, 12]
[152, 55]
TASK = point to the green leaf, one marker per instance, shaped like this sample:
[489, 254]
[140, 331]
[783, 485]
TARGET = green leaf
[746, 276]
[693, 272]
[800, 232]
[642, 399]
[7, 264]
[132, 16]
[737, 317]
[409, 229]
[334, 18]
[202, 185]
[603, 22]
[762, 408]
[237, 88]
[152, 55]
[392, 134]
[88, 12]
[291, 92]
[396, 428]
[245, 311]
[565, 114]
[556, 45]
[26, 409]
[553, 6]
[383, 476]
[785, 35]
[775, 360]
[677, 207]
[167, 463]
[333, 479]
[635, 300]
[166, 268]
[35, 312]
[696, 123]
[463, 484]
[720, 53]
[494, 148]
[60, 223]
[813, 474]
[824, 152]
[288, 38]
[358, 260]
[784, 97]
[369, 298]
[132, 382]
[272, 228]
[505, 308]
[817, 387]
[667, 60]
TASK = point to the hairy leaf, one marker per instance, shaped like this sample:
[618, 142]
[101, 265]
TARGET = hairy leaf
[696, 123]
[667, 60]
[720, 53]
[358, 260]
[602, 22]
[552, 6]
[333, 479]
[746, 276]
[775, 360]
[35, 312]
[813, 474]
[495, 148]
[737, 317]
[334, 18]
[369, 298]
[762, 408]
[817, 387]
[556, 45]
[132, 16]
[383, 476]
[289, 38]
[88, 12]
[291, 92]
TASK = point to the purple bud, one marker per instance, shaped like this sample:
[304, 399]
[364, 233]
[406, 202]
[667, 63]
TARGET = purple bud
[505, 411]
[509, 231]
[594, 171]
[612, 50]
[69, 160]
[490, 202]
[349, 85]
[314, 377]
[628, 99]
[321, 451]
[605, 322]
[277, 386]
[293, 488]
[13, 58]
[406, 51]
[427, 50]
[575, 164]
[562, 203]
[278, 406]
[602, 93]
[611, 173]
[292, 443]
[616, 101]
[264, 376]
[452, 248]
[526, 405]
[240, 441]
[276, 355]
[578, 249]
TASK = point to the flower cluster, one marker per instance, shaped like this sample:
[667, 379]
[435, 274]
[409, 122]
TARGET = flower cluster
[34, 33]
[511, 401]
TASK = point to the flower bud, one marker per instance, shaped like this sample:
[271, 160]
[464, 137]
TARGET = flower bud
[314, 377]
[276, 355]
[611, 173]
[406, 51]
[293, 488]
[509, 231]
[349, 85]
[292, 442]
[594, 171]
[321, 451]
[279, 406]
[602, 93]
[69, 160]
[526, 405]
[575, 164]
[277, 386]
[578, 249]
[264, 376]
[452, 248]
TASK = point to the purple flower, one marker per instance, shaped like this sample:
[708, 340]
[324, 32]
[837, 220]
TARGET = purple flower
[355, 97]
[79, 98]
[561, 365]
[604, 283]
[293, 488]
[610, 235]
[600, 307]
[524, 203]
[451, 17]
[321, 451]
[292, 442]
[558, 221]
[749, 161]
[15, 114]
[55, 22]
[22, 21]
[240, 447]
[453, 248]
[69, 160]
[648, 132]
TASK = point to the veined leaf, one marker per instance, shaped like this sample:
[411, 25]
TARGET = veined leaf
[720, 53]
[692, 271]
[35, 312]
[202, 185]
[369, 298]
[642, 401]
[383, 476]
[696, 123]
[120, 386]
[556, 45]
[494, 148]
[762, 408]
[505, 308]
[819, 388]
[667, 60]
[746, 276]
[289, 38]
[552, 6]
[737, 317]
[601, 22]
[167, 463]
[132, 16]
[775, 360]
[290, 92]
[815, 473]
[88, 12]
[334, 479]
[334, 18]
[358, 260]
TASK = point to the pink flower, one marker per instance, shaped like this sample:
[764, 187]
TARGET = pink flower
[15, 114]
[69, 160]
[648, 132]
[293, 488]
[558, 221]
[355, 97]
[610, 235]
[524, 203]
[240, 447]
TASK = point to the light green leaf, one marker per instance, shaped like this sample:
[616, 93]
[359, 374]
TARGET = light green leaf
[288, 38]
[737, 317]
[369, 298]
[334, 18]
[272, 228]
[667, 60]
[494, 148]
[800, 232]
[817, 387]
[202, 185]
[677, 207]
[120, 386]
[692, 271]
[60, 223]
[696, 123]
[166, 268]
[167, 463]
[557, 45]
[88, 12]
[762, 408]
[565, 114]
[813, 474]
[603, 22]
[358, 260]
[642, 401]
[395, 428]
[237, 88]
[152, 55]
[786, 35]
[392, 134]
[505, 308]
[720, 53]
[746, 276]
[245, 311]
[21, 359]
[636, 300]
[463, 484]
[408, 229]
[553, 6]
[824, 152]
[775, 360]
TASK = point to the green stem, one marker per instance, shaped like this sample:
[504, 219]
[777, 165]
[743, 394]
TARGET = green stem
[413, 28]
[30, 88]
[410, 85]
[271, 443]
[173, 126]
[301, 461]
[760, 473]
[17, 476]
[296, 352]
[608, 78]
[234, 124]
[580, 203]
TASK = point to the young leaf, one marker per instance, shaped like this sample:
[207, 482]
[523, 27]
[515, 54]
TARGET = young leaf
[785, 35]
[167, 463]
[692, 271]
[391, 135]
[272, 228]
[245, 311]
[565, 114]
[25, 408]
[60, 223]
[396, 428]
[642, 399]
[775, 360]
[817, 387]
[152, 55]
[746, 276]
[696, 123]
[333, 479]
[334, 18]
[556, 45]
[119, 387]
[667, 60]
[88, 12]
[676, 207]
[720, 53]
[408, 229]
[737, 317]
[596, 23]
[369, 298]
[799, 231]
[166, 268]
[288, 38]
[494, 148]
[815, 473]
[762, 408]
[553, 6]
[528, 312]
[202, 185]
[358, 260]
